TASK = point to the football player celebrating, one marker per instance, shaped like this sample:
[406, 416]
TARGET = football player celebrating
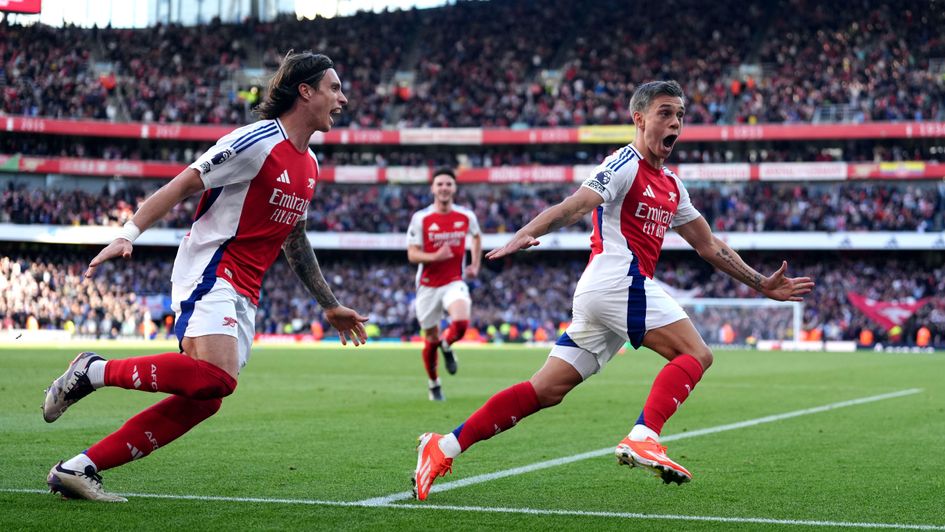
[635, 199]
[257, 183]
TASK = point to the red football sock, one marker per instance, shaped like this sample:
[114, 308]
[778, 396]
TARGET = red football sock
[456, 331]
[170, 373]
[501, 412]
[671, 387]
[430, 358]
[152, 428]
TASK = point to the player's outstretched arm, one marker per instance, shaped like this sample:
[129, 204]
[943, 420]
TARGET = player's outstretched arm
[186, 184]
[711, 248]
[301, 257]
[569, 211]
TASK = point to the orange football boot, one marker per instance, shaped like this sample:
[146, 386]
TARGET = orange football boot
[431, 463]
[650, 455]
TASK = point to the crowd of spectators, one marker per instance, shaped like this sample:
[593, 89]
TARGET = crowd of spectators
[507, 63]
[47, 71]
[528, 293]
[872, 57]
[743, 207]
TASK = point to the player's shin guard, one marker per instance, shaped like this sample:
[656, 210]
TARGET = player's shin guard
[152, 428]
[430, 358]
[671, 387]
[170, 373]
[501, 412]
[456, 331]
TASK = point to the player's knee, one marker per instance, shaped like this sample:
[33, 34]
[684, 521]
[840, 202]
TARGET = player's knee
[215, 383]
[207, 407]
[550, 395]
[704, 356]
[431, 336]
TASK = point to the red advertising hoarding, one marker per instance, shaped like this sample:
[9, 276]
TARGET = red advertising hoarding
[31, 7]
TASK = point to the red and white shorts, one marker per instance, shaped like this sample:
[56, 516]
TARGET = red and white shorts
[432, 302]
[214, 307]
[604, 320]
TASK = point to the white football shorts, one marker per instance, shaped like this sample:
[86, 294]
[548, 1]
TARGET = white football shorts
[432, 302]
[604, 320]
[214, 308]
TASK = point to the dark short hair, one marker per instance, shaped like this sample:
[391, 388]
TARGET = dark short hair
[443, 171]
[296, 68]
[643, 96]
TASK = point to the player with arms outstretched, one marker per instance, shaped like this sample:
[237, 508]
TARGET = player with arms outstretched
[436, 240]
[635, 199]
[257, 183]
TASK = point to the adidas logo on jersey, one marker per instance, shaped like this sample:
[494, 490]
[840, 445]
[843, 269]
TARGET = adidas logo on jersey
[649, 192]
[284, 177]
[434, 227]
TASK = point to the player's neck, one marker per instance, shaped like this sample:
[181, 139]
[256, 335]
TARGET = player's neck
[443, 207]
[297, 130]
[647, 155]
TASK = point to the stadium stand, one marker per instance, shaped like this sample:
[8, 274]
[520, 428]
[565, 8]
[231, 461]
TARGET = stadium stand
[757, 64]
[874, 206]
[529, 295]
[870, 91]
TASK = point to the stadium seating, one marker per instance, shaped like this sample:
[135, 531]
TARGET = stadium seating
[529, 294]
[461, 66]
[746, 207]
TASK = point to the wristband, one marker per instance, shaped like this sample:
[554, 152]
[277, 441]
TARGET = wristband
[129, 232]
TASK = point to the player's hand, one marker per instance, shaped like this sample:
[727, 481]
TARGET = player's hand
[518, 243]
[442, 253]
[781, 288]
[472, 270]
[119, 247]
[349, 323]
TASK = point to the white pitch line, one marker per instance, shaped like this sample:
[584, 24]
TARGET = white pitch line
[487, 477]
[525, 511]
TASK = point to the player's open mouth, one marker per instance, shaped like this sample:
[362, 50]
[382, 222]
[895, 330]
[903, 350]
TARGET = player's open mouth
[669, 140]
[336, 111]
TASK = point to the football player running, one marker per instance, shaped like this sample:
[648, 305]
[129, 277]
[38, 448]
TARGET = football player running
[634, 200]
[257, 183]
[436, 241]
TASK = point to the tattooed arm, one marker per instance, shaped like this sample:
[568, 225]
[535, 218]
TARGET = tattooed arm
[572, 209]
[716, 252]
[298, 252]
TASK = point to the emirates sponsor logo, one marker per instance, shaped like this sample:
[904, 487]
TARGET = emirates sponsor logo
[290, 209]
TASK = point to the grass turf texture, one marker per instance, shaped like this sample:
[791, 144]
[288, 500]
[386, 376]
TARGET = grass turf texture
[340, 424]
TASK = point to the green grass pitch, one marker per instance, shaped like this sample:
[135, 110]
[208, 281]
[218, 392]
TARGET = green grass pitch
[310, 431]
